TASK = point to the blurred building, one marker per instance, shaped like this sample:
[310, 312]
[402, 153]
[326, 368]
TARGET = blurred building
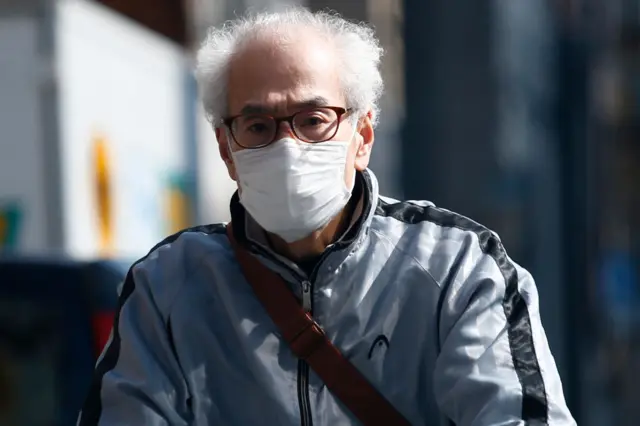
[614, 271]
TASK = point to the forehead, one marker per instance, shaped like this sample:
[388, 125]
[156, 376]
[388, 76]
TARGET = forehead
[280, 75]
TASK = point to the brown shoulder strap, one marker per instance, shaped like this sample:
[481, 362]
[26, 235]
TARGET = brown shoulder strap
[308, 342]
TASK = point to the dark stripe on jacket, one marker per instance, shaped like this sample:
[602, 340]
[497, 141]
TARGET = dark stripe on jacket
[534, 396]
[92, 410]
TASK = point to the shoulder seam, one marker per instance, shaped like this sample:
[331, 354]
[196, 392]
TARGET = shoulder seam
[211, 229]
[411, 213]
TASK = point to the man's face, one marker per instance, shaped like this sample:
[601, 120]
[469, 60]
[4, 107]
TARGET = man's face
[281, 78]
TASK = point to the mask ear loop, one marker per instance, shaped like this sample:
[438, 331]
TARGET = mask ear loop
[355, 126]
[354, 122]
[230, 140]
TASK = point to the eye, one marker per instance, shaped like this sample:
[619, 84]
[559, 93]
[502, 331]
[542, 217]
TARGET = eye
[257, 128]
[313, 119]
[254, 124]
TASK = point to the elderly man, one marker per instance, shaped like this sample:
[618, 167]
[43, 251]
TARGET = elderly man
[324, 303]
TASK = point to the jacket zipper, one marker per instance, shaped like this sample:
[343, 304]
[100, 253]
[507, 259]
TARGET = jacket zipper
[307, 304]
[303, 367]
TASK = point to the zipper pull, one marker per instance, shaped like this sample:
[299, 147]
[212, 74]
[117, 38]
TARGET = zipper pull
[306, 296]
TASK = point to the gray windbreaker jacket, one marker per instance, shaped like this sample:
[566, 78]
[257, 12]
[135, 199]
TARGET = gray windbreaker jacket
[423, 301]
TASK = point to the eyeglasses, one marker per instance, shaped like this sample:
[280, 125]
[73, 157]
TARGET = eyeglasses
[252, 131]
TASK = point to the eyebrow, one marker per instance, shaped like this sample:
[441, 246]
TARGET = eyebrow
[315, 102]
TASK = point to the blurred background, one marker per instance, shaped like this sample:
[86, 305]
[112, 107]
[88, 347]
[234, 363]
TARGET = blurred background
[524, 115]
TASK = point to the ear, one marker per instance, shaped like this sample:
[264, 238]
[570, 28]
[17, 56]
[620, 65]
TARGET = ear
[366, 132]
[225, 153]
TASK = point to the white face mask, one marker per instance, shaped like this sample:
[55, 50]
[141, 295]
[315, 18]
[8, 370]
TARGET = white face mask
[293, 188]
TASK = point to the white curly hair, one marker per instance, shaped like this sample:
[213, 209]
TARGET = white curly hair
[359, 53]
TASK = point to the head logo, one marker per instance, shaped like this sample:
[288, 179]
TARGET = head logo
[378, 342]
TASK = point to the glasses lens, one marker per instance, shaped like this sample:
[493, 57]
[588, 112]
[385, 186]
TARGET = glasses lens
[316, 125]
[253, 131]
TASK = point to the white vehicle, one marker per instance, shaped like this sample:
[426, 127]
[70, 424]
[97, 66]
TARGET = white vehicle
[99, 133]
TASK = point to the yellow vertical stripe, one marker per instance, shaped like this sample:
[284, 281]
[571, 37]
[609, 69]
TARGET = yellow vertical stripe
[177, 209]
[103, 194]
